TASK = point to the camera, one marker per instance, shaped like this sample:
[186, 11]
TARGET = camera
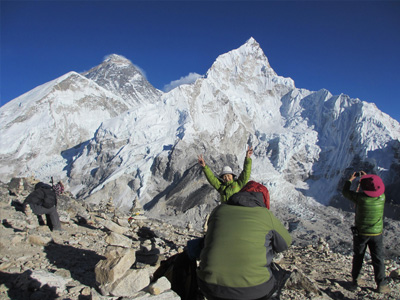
[358, 174]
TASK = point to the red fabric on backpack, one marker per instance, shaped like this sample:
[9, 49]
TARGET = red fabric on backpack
[253, 186]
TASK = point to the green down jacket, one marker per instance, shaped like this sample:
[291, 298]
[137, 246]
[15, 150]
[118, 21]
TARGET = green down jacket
[369, 211]
[226, 190]
[238, 249]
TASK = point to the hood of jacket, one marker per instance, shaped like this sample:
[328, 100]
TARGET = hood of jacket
[248, 199]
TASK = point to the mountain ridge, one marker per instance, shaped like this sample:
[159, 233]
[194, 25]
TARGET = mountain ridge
[305, 143]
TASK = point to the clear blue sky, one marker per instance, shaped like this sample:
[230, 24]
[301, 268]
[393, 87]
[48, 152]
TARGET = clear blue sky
[344, 47]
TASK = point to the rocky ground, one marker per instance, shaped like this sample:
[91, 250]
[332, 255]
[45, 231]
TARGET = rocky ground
[102, 254]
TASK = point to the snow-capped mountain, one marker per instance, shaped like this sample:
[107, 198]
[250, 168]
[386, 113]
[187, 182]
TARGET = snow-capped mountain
[42, 127]
[120, 76]
[306, 143]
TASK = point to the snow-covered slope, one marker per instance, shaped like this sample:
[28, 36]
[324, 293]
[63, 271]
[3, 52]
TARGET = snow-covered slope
[306, 143]
[40, 128]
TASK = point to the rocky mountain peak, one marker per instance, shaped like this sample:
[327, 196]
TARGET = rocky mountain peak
[117, 59]
[118, 75]
[247, 65]
[252, 47]
[252, 41]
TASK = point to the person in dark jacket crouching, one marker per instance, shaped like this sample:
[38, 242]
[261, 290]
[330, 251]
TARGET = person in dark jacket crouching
[43, 201]
[241, 239]
[370, 202]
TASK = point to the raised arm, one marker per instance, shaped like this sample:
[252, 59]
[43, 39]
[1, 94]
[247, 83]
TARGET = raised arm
[249, 152]
[211, 178]
[201, 160]
[246, 172]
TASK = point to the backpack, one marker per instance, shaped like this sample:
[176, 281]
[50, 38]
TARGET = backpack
[49, 196]
[58, 188]
[180, 270]
[253, 186]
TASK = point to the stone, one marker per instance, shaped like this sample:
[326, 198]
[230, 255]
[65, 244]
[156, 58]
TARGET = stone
[148, 254]
[39, 240]
[123, 222]
[115, 251]
[116, 239]
[37, 279]
[110, 225]
[64, 217]
[168, 295]
[17, 239]
[297, 280]
[85, 291]
[75, 289]
[139, 217]
[160, 286]
[16, 185]
[146, 246]
[3, 289]
[63, 273]
[94, 295]
[133, 281]
[114, 267]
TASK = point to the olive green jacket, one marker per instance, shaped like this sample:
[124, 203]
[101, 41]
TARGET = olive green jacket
[226, 190]
[238, 250]
[369, 211]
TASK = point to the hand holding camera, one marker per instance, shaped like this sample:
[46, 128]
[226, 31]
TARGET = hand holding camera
[357, 174]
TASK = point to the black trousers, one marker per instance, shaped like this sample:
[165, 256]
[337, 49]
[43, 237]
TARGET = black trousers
[375, 245]
[53, 220]
[278, 274]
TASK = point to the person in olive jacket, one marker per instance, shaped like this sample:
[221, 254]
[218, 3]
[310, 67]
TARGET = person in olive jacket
[239, 245]
[370, 202]
[43, 201]
[226, 184]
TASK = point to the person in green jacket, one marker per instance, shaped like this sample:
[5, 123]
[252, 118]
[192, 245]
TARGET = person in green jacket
[226, 184]
[370, 202]
[242, 237]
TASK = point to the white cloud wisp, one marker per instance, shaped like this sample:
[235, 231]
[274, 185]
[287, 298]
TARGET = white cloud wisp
[192, 77]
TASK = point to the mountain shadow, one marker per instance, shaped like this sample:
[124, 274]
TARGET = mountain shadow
[70, 154]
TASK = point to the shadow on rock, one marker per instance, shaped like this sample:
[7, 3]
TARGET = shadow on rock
[23, 286]
[6, 224]
[84, 223]
[79, 262]
[17, 205]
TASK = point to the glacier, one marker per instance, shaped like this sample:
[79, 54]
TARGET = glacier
[110, 135]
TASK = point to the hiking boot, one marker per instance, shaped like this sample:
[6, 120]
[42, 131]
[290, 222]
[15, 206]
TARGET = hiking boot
[355, 284]
[383, 288]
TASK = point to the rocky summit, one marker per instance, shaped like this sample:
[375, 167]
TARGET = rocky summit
[102, 253]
